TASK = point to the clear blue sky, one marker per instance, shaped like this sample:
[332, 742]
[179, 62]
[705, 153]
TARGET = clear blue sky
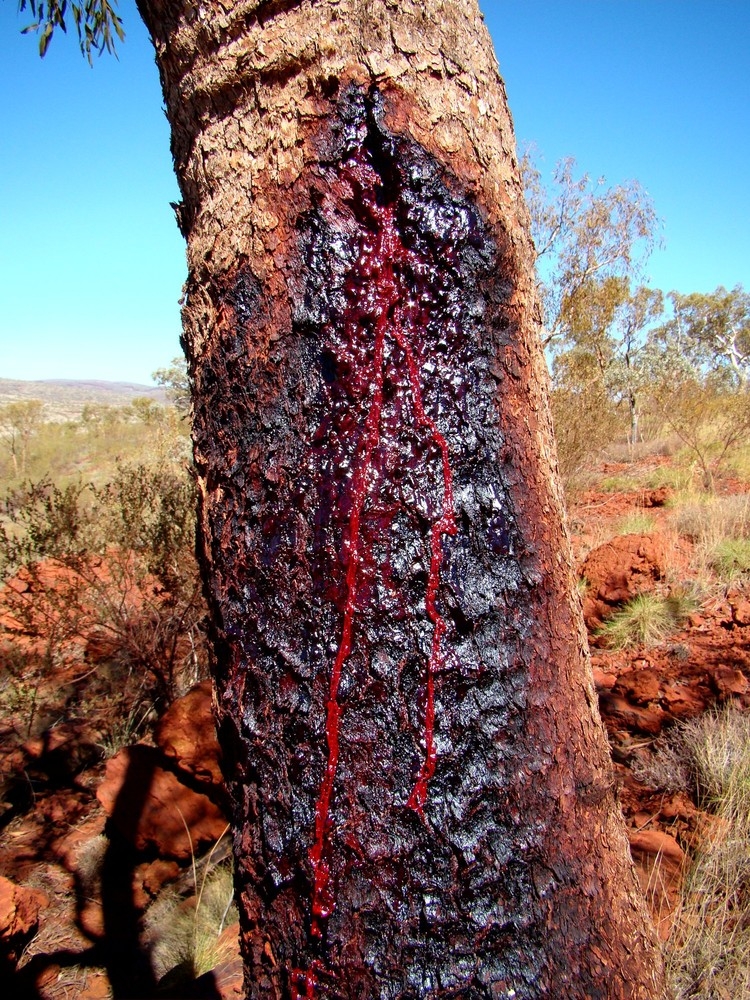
[91, 262]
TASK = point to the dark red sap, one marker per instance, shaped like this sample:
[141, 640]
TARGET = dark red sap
[382, 269]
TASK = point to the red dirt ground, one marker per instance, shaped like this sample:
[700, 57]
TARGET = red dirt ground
[53, 779]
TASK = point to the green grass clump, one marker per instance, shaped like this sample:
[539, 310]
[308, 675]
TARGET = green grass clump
[676, 477]
[636, 524]
[620, 484]
[646, 620]
[708, 955]
[731, 558]
[719, 528]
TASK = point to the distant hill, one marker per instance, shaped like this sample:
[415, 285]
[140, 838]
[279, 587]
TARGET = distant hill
[64, 399]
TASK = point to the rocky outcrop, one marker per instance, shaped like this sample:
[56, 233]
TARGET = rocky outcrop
[618, 570]
[20, 907]
[186, 734]
[149, 805]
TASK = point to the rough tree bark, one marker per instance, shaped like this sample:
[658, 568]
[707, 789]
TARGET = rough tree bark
[423, 799]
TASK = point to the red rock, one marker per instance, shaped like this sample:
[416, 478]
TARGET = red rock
[659, 862]
[19, 913]
[740, 610]
[640, 686]
[678, 806]
[48, 975]
[655, 498]
[91, 918]
[656, 842]
[620, 569]
[151, 807]
[682, 701]
[729, 681]
[156, 874]
[603, 681]
[187, 734]
[150, 877]
[97, 987]
[69, 847]
[619, 711]
[102, 645]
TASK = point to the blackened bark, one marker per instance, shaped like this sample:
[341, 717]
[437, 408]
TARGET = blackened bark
[423, 800]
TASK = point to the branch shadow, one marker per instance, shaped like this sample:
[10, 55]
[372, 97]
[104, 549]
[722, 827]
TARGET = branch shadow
[118, 949]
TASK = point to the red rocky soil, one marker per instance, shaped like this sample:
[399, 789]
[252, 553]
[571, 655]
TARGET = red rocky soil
[88, 846]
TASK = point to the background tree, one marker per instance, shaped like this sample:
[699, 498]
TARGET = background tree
[96, 21]
[600, 369]
[698, 363]
[19, 421]
[583, 231]
[421, 788]
[147, 410]
[711, 332]
[175, 379]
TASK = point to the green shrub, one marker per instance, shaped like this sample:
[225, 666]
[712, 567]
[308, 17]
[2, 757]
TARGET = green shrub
[646, 620]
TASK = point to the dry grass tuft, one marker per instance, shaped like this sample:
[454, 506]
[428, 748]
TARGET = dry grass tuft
[185, 934]
[709, 953]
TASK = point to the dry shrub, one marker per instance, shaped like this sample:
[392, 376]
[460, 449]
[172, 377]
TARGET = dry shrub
[585, 423]
[720, 529]
[185, 934]
[711, 421]
[709, 953]
[667, 768]
[110, 569]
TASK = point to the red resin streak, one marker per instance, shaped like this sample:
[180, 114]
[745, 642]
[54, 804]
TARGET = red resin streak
[446, 525]
[322, 901]
[387, 251]
[307, 979]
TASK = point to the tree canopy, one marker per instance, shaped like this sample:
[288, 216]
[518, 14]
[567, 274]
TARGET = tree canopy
[583, 231]
[97, 23]
[710, 333]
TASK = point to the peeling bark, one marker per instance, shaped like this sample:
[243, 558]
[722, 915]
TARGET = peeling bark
[423, 801]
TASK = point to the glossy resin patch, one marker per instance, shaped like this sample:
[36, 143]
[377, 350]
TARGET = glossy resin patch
[387, 308]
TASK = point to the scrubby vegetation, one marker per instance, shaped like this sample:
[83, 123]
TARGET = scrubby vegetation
[103, 624]
[709, 955]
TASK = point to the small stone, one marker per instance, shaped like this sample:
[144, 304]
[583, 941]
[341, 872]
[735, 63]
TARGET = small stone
[602, 681]
[740, 611]
[656, 842]
[620, 711]
[729, 681]
[640, 686]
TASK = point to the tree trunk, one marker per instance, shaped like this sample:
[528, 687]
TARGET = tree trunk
[423, 799]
